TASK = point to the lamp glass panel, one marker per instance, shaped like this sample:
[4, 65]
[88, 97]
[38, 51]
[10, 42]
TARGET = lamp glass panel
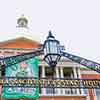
[53, 47]
[53, 50]
[47, 48]
[58, 48]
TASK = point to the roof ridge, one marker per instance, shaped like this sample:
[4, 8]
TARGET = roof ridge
[19, 42]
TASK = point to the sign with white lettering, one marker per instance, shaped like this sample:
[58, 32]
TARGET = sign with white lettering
[28, 68]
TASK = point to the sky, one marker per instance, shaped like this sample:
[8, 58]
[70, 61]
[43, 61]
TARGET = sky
[75, 23]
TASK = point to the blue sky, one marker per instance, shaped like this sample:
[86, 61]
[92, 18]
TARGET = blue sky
[76, 23]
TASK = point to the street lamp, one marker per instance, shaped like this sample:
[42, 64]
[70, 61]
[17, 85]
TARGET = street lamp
[52, 53]
[51, 50]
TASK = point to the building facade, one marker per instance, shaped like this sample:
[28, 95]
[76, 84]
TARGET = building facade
[64, 69]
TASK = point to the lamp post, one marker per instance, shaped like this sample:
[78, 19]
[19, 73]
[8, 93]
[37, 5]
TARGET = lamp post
[51, 51]
[52, 54]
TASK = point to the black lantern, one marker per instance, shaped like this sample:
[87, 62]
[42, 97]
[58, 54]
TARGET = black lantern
[51, 50]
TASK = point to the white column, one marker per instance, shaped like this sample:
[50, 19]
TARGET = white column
[43, 71]
[43, 76]
[57, 76]
[61, 72]
[62, 76]
[75, 76]
[79, 74]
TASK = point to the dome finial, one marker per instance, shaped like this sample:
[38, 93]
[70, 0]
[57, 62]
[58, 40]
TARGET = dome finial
[22, 22]
[50, 35]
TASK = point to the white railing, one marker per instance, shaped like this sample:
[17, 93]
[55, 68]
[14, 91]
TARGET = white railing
[60, 91]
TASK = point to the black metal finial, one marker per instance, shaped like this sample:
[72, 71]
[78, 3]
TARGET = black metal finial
[50, 35]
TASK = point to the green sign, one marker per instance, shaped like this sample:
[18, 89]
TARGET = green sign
[28, 68]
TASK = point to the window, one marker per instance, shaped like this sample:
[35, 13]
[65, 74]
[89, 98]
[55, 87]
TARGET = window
[67, 72]
[40, 71]
[49, 75]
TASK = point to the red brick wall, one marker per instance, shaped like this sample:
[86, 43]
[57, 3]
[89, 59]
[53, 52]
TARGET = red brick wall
[91, 76]
[63, 98]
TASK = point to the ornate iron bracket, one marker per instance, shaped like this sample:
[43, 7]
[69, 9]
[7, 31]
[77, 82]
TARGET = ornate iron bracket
[8, 61]
[88, 63]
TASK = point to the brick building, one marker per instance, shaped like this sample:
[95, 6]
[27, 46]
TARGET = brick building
[64, 69]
